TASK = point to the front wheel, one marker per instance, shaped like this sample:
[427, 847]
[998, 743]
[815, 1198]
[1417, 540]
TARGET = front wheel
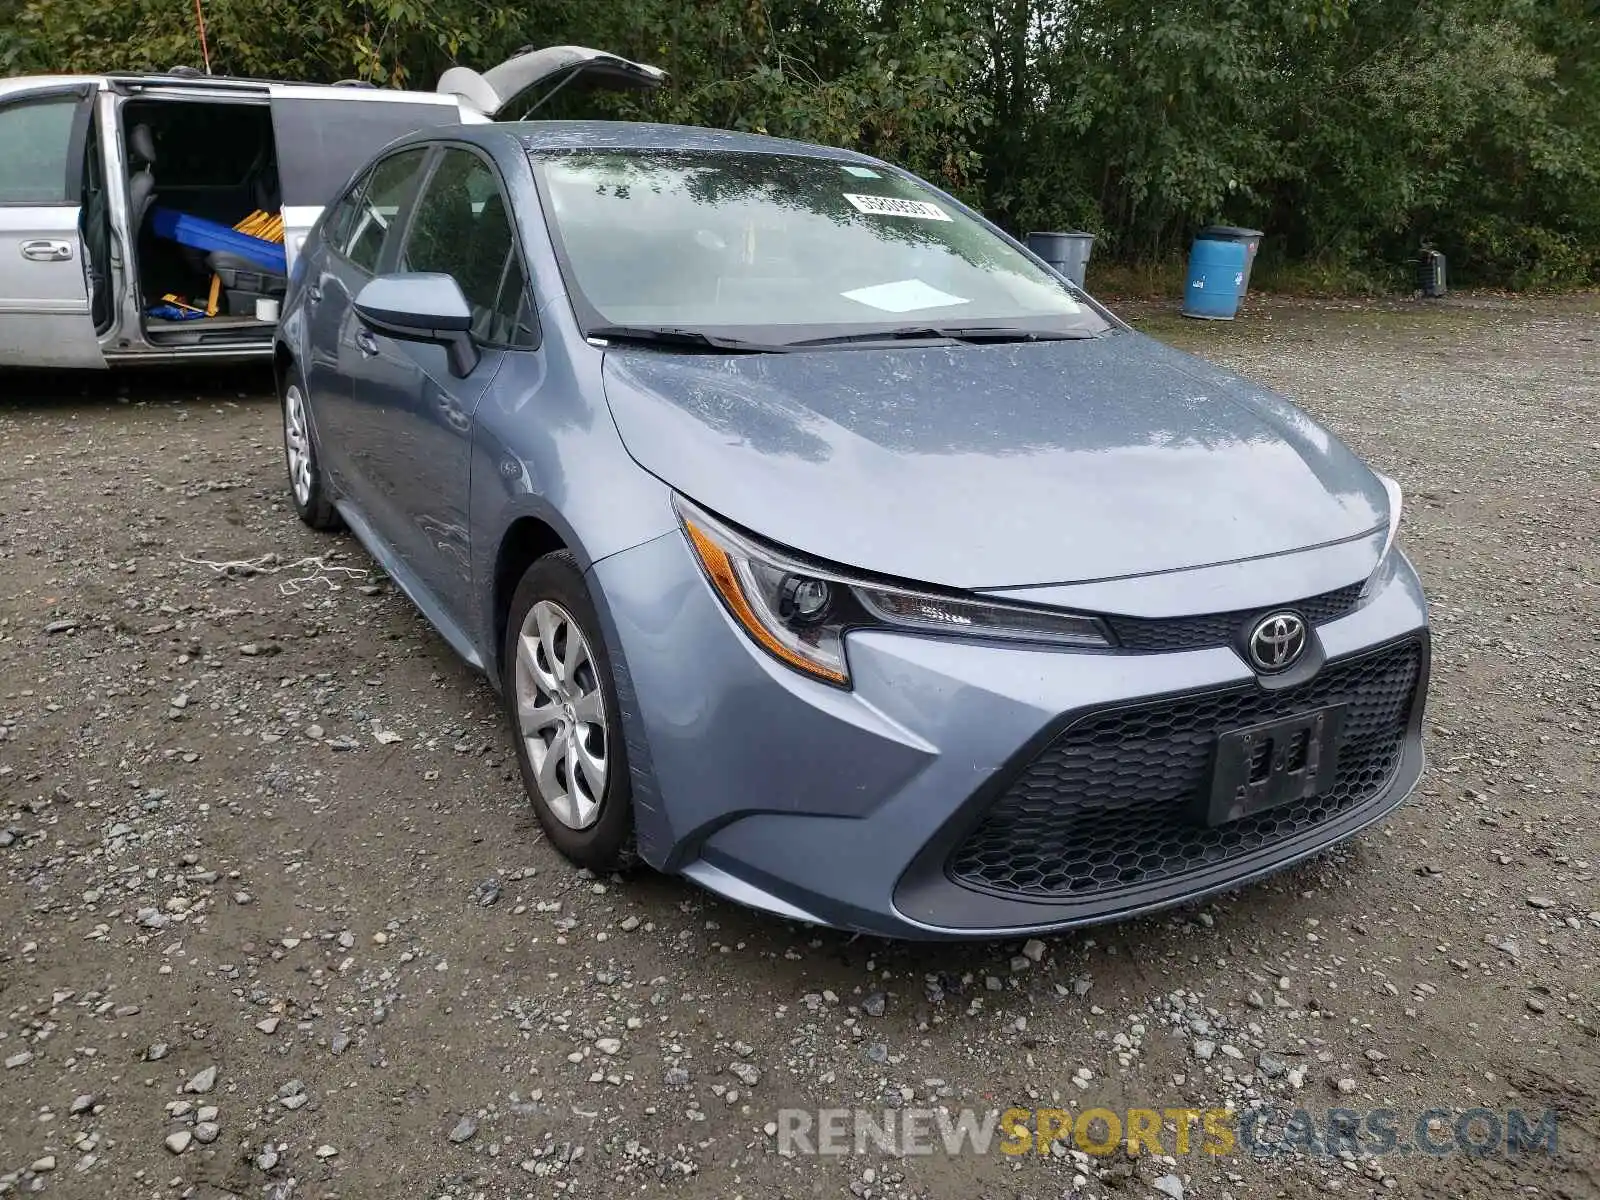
[565, 718]
[307, 487]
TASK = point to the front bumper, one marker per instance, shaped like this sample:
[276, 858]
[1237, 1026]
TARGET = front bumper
[849, 808]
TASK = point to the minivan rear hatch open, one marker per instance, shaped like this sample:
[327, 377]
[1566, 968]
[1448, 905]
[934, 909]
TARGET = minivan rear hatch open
[516, 88]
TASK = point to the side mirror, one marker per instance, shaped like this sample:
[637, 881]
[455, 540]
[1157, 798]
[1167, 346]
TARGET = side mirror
[421, 308]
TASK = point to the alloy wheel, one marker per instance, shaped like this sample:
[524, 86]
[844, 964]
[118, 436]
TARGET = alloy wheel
[297, 443]
[561, 714]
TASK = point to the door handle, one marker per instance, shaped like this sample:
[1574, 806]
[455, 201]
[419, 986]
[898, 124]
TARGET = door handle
[367, 343]
[47, 251]
[313, 293]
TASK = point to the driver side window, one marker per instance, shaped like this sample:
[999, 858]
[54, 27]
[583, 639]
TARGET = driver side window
[461, 227]
[35, 150]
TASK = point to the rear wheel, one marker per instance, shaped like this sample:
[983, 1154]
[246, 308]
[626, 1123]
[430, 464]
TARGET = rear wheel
[307, 487]
[564, 716]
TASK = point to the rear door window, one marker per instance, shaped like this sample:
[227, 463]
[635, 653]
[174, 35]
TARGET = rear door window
[322, 141]
[205, 144]
[336, 225]
[371, 225]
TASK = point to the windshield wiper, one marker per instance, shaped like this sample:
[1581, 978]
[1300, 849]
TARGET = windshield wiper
[689, 339]
[953, 333]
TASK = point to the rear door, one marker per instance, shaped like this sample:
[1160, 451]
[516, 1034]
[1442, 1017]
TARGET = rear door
[522, 85]
[45, 319]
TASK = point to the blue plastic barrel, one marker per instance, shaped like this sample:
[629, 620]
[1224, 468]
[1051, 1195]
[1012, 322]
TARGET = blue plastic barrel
[1216, 280]
[1233, 233]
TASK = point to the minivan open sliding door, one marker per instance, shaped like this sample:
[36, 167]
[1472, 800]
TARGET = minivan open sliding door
[325, 135]
[45, 318]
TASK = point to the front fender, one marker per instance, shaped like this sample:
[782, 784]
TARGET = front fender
[544, 447]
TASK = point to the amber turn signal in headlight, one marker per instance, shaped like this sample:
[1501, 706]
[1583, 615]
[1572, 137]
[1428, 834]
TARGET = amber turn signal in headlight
[798, 611]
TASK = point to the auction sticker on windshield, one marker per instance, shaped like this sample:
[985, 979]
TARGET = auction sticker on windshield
[891, 206]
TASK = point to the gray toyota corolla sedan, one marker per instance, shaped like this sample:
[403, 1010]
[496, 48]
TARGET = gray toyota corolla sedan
[828, 549]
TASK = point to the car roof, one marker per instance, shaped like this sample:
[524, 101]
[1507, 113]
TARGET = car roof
[644, 135]
[185, 79]
[18, 83]
[218, 83]
[476, 95]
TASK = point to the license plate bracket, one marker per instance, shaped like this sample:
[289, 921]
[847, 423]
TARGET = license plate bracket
[1272, 764]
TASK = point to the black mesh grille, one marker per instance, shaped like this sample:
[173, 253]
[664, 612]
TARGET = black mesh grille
[1219, 629]
[1110, 803]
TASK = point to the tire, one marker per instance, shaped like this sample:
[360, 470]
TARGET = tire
[548, 697]
[308, 487]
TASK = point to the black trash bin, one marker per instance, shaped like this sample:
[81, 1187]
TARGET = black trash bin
[1233, 233]
[1067, 253]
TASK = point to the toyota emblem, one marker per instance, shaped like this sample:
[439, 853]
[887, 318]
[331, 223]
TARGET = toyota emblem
[1277, 641]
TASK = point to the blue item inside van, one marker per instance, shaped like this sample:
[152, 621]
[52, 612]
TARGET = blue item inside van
[202, 234]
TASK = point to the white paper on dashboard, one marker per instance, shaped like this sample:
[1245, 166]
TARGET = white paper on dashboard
[907, 295]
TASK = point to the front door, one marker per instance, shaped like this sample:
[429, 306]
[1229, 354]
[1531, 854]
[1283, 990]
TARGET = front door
[460, 226]
[45, 318]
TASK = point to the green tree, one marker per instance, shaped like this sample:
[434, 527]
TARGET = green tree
[1353, 131]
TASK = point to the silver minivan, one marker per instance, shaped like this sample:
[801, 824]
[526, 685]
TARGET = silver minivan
[120, 194]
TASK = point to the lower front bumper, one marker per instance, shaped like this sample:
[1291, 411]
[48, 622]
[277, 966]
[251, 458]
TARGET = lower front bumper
[843, 808]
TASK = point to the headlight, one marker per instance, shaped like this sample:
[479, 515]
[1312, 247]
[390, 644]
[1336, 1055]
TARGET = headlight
[799, 611]
[1385, 568]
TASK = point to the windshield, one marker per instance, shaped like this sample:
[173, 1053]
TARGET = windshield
[782, 248]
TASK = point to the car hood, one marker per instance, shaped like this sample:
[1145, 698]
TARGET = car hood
[994, 466]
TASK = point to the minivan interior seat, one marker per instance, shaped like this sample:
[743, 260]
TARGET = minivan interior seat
[142, 182]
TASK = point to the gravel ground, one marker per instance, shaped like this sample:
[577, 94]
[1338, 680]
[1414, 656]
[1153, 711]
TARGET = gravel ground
[275, 919]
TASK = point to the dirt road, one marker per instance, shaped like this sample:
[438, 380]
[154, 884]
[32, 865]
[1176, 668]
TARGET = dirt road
[275, 919]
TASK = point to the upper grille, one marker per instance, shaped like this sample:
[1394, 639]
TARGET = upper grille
[1110, 803]
[1220, 629]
